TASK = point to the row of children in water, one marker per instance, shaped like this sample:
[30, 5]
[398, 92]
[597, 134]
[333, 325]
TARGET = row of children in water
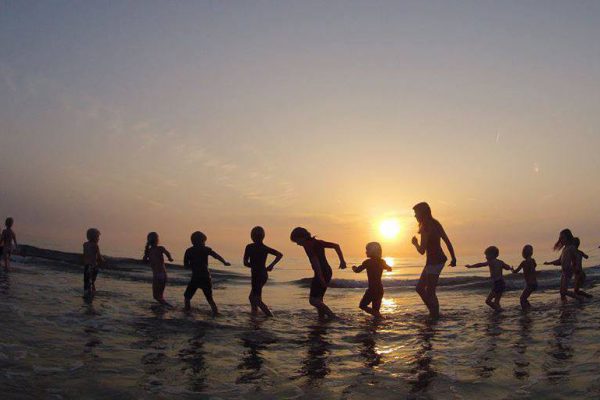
[255, 258]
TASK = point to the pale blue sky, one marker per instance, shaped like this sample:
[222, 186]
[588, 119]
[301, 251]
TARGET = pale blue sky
[173, 116]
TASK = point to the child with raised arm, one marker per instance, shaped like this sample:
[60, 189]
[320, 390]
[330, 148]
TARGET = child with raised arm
[196, 258]
[578, 273]
[91, 261]
[315, 250]
[8, 237]
[375, 265]
[528, 266]
[155, 255]
[496, 266]
[255, 258]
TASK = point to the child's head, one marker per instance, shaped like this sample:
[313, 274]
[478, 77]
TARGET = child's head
[152, 239]
[491, 253]
[564, 239]
[576, 242]
[300, 235]
[257, 234]
[93, 235]
[198, 238]
[374, 250]
[527, 251]
[9, 222]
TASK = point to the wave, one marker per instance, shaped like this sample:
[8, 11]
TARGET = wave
[118, 267]
[546, 279]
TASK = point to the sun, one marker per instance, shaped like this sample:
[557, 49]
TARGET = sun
[389, 228]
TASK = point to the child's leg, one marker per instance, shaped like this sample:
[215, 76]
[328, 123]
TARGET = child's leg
[365, 301]
[489, 300]
[207, 290]
[564, 288]
[94, 276]
[264, 308]
[524, 296]
[190, 290]
[377, 305]
[86, 280]
[497, 300]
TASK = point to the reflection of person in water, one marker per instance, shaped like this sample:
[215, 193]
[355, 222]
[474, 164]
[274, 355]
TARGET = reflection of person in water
[489, 359]
[193, 356]
[369, 345]
[423, 371]
[521, 368]
[561, 350]
[315, 365]
[252, 361]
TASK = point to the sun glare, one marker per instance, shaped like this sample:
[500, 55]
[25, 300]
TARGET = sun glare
[389, 228]
[389, 261]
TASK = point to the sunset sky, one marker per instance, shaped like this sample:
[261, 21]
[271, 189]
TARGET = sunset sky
[133, 116]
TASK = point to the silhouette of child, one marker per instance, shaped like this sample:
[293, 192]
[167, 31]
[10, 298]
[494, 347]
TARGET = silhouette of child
[315, 250]
[155, 255]
[567, 262]
[374, 265]
[496, 266]
[528, 266]
[255, 258]
[196, 258]
[578, 272]
[91, 261]
[8, 237]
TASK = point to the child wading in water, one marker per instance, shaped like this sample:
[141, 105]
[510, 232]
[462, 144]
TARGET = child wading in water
[196, 258]
[91, 261]
[255, 258]
[374, 266]
[579, 274]
[315, 250]
[155, 255]
[528, 266]
[7, 238]
[496, 266]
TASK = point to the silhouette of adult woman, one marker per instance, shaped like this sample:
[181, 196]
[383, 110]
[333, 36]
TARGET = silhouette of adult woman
[432, 233]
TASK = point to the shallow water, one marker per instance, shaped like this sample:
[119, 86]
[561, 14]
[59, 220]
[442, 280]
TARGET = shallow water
[53, 345]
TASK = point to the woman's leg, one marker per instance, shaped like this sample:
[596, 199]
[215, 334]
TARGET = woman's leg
[434, 305]
[422, 289]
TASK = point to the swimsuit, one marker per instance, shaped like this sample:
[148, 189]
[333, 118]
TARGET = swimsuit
[499, 286]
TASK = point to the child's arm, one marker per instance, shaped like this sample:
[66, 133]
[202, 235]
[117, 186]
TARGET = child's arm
[506, 266]
[338, 250]
[14, 237]
[449, 246]
[555, 262]
[278, 257]
[478, 265]
[166, 252]
[216, 256]
[519, 268]
[360, 268]
[99, 258]
[580, 252]
[386, 267]
[247, 257]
